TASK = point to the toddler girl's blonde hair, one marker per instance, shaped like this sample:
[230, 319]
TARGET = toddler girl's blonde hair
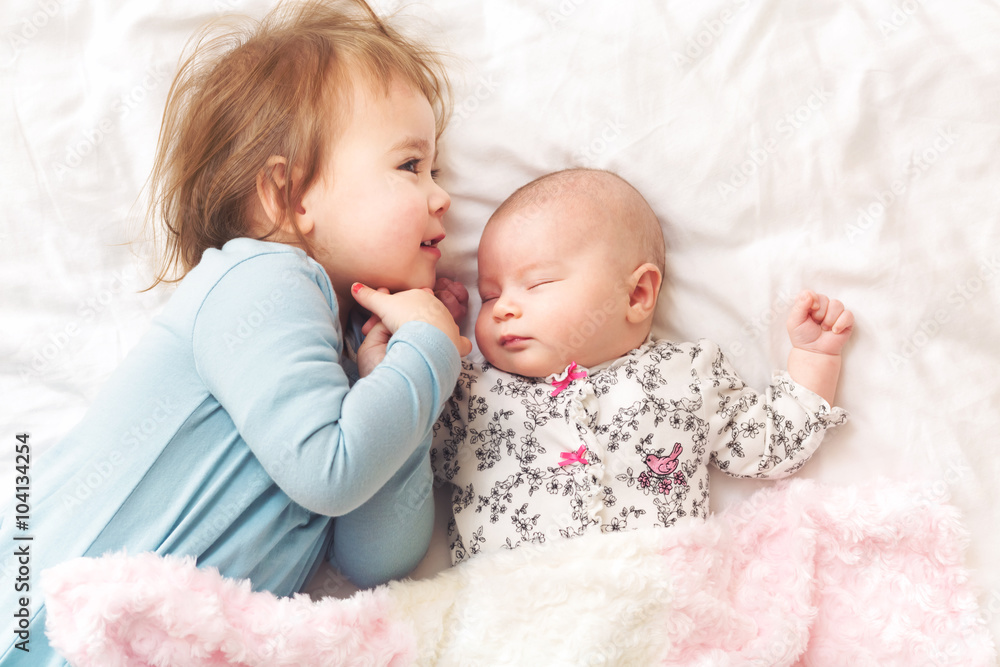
[278, 86]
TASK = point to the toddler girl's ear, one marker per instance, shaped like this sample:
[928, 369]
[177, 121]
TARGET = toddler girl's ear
[272, 182]
[644, 289]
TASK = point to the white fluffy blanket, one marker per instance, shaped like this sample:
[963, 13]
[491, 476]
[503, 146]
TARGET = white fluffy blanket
[799, 574]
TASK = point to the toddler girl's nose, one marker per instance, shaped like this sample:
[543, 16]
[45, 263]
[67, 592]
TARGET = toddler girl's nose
[439, 201]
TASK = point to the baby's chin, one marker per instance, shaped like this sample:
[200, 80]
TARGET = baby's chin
[535, 369]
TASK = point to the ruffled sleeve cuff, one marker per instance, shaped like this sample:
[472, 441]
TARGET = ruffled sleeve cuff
[823, 415]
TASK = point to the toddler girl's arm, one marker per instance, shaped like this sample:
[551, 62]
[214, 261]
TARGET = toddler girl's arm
[266, 343]
[818, 328]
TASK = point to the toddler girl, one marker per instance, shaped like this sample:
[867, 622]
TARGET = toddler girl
[294, 161]
[578, 420]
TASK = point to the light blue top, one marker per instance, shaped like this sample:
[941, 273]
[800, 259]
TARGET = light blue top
[232, 433]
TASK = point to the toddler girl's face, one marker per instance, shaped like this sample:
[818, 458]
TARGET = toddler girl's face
[552, 294]
[377, 210]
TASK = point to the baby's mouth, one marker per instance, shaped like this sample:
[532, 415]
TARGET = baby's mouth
[512, 340]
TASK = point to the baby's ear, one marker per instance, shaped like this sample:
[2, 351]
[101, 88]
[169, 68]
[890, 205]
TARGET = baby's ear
[271, 183]
[644, 286]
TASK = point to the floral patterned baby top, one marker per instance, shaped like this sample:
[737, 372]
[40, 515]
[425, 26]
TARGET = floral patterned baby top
[621, 446]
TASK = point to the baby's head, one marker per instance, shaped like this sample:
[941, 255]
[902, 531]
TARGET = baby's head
[570, 267]
[316, 126]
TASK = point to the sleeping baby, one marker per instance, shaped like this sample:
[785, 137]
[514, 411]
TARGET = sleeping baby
[578, 420]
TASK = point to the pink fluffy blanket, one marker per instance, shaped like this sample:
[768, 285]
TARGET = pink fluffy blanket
[799, 574]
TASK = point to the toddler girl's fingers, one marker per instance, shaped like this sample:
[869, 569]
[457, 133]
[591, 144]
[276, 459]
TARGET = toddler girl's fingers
[372, 322]
[374, 319]
[464, 346]
[369, 299]
[379, 334]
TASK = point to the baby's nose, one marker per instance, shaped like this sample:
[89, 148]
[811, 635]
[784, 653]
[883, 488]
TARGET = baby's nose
[505, 309]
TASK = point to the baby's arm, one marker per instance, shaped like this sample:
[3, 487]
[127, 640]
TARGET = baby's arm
[818, 328]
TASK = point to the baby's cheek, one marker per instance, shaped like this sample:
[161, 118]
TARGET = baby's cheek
[482, 330]
[564, 318]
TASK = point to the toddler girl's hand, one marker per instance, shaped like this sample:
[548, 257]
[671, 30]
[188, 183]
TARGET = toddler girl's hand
[819, 324]
[421, 305]
[372, 350]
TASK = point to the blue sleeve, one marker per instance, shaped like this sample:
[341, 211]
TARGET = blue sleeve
[267, 344]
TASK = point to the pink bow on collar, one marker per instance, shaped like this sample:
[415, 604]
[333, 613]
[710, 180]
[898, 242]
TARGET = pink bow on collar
[570, 458]
[571, 374]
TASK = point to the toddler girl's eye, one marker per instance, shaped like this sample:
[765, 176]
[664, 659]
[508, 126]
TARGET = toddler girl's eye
[412, 166]
[435, 173]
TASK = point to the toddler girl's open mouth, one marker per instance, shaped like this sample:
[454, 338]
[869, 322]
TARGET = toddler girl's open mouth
[430, 246]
